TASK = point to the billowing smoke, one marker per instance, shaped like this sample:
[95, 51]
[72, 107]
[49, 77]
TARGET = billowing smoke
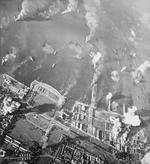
[11, 56]
[130, 118]
[138, 75]
[115, 76]
[97, 61]
[146, 159]
[44, 141]
[108, 99]
[30, 8]
[96, 77]
[72, 6]
[91, 16]
[48, 49]
[72, 81]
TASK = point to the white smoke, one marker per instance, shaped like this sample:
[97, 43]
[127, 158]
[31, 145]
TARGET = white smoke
[48, 49]
[123, 69]
[97, 61]
[144, 66]
[72, 82]
[115, 76]
[72, 6]
[44, 141]
[91, 16]
[140, 71]
[95, 77]
[108, 100]
[30, 7]
[146, 159]
[53, 9]
[130, 118]
[132, 35]
[11, 56]
[96, 58]
[108, 97]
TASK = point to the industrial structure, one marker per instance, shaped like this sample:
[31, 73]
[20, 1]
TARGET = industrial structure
[46, 94]
[89, 134]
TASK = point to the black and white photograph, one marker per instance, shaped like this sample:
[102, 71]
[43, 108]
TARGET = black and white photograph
[74, 81]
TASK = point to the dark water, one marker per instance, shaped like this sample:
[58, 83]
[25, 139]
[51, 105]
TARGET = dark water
[113, 33]
[29, 38]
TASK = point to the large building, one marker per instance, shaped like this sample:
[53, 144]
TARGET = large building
[46, 94]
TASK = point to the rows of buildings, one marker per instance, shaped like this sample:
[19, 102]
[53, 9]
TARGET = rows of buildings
[96, 129]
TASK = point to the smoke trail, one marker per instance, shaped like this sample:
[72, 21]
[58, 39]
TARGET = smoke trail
[48, 49]
[91, 16]
[72, 82]
[72, 6]
[140, 71]
[97, 61]
[11, 56]
[31, 7]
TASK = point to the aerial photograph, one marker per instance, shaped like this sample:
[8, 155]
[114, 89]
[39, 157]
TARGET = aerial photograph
[74, 81]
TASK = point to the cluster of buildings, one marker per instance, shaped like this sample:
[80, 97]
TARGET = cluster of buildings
[73, 153]
[101, 121]
[16, 93]
[37, 94]
[98, 130]
[108, 127]
[15, 87]
[15, 144]
[13, 150]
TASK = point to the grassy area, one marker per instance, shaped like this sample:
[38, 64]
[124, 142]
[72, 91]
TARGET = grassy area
[26, 132]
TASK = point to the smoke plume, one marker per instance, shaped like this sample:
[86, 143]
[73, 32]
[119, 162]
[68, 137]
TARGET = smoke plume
[72, 82]
[31, 7]
[140, 72]
[48, 49]
[11, 56]
[91, 16]
[130, 118]
[97, 61]
[115, 76]
[72, 6]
